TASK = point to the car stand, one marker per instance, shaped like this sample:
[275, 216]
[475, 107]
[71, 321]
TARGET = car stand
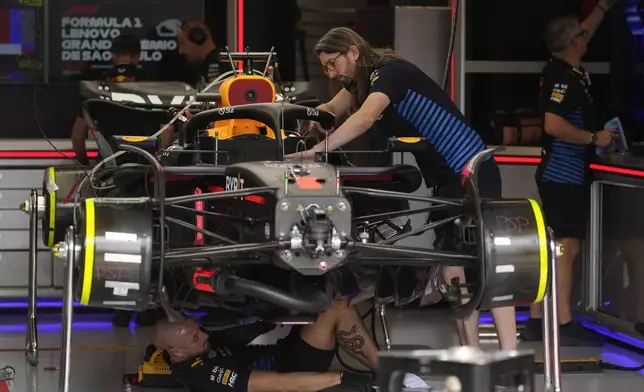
[34, 207]
[467, 376]
[551, 365]
[71, 246]
[68, 250]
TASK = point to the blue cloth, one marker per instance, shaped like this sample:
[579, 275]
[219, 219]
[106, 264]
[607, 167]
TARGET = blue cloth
[619, 145]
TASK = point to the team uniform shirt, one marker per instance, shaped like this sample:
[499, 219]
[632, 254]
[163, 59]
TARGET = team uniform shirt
[224, 368]
[123, 73]
[420, 108]
[227, 368]
[565, 92]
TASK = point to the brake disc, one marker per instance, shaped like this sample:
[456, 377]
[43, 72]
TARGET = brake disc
[115, 262]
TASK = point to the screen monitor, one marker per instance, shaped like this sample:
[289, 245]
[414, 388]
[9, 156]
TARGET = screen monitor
[19, 46]
[81, 32]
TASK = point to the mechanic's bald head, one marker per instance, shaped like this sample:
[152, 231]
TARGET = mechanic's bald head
[182, 339]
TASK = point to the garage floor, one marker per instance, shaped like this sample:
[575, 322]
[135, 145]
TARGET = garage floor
[102, 354]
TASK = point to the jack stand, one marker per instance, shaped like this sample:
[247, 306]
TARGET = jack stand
[552, 364]
[463, 369]
[67, 250]
[380, 308]
[34, 206]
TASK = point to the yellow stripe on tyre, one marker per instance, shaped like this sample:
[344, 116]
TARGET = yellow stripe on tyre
[543, 251]
[52, 209]
[88, 268]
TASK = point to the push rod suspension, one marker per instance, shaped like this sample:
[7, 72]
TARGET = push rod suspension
[420, 230]
[218, 215]
[397, 214]
[190, 226]
[218, 195]
[439, 257]
[403, 196]
[219, 250]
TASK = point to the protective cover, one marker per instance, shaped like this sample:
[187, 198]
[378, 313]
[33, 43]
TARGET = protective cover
[162, 94]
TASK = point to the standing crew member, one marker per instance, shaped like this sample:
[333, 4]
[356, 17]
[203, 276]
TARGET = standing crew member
[198, 49]
[126, 52]
[563, 177]
[199, 52]
[407, 102]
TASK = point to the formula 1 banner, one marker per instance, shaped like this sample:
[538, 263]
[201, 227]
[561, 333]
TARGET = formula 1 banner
[81, 31]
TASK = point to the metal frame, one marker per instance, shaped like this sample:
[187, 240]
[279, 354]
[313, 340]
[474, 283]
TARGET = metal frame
[592, 289]
[551, 365]
[68, 250]
[460, 58]
[592, 282]
[525, 67]
[32, 324]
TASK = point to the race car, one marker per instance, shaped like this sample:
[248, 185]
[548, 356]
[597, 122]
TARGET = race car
[221, 220]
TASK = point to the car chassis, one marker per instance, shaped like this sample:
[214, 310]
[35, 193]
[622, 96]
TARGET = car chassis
[312, 232]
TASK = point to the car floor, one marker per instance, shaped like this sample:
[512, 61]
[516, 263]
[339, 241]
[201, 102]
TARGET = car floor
[102, 354]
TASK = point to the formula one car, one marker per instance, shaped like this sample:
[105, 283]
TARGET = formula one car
[221, 220]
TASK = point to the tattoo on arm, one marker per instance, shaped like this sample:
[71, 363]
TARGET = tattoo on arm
[352, 341]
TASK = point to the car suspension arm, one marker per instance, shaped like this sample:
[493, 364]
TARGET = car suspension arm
[218, 195]
[403, 196]
[190, 226]
[218, 250]
[219, 215]
[397, 214]
[422, 229]
[437, 257]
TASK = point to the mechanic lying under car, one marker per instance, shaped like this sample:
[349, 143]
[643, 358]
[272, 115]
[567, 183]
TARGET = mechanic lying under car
[387, 89]
[299, 362]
